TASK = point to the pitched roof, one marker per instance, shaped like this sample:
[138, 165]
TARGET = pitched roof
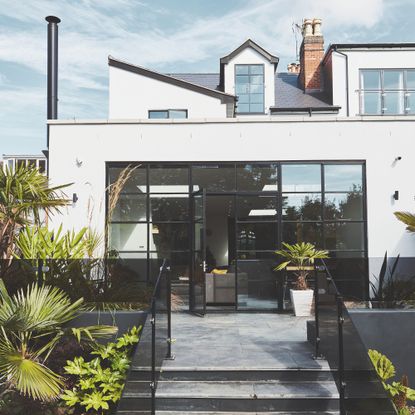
[288, 94]
[177, 81]
[250, 44]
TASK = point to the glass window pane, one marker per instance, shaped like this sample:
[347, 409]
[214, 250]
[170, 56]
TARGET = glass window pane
[371, 102]
[137, 178]
[302, 232]
[256, 236]
[31, 163]
[128, 237]
[158, 114]
[343, 177]
[169, 179]
[343, 206]
[257, 208]
[243, 99]
[256, 89]
[177, 113]
[392, 79]
[169, 207]
[241, 69]
[343, 236]
[410, 103]
[257, 99]
[258, 177]
[242, 107]
[410, 79]
[42, 166]
[301, 206]
[242, 79]
[370, 79]
[167, 237]
[130, 207]
[394, 103]
[256, 69]
[214, 177]
[242, 89]
[257, 108]
[257, 79]
[301, 177]
[20, 163]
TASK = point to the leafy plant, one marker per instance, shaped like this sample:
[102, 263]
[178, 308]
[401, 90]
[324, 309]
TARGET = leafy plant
[31, 325]
[100, 381]
[300, 256]
[408, 219]
[387, 291]
[24, 194]
[400, 392]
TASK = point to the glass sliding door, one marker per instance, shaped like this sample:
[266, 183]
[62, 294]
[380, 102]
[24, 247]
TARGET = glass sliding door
[198, 253]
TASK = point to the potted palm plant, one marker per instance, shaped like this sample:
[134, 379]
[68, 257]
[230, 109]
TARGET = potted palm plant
[299, 259]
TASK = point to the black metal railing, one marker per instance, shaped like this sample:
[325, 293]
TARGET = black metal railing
[161, 341]
[338, 341]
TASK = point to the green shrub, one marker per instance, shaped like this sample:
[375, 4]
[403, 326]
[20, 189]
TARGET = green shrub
[99, 382]
[400, 392]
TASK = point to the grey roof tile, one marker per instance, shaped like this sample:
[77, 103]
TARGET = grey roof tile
[288, 93]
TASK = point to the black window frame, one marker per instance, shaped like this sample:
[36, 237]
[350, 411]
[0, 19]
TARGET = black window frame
[168, 113]
[249, 94]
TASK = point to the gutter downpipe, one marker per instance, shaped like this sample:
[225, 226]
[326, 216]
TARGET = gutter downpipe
[347, 79]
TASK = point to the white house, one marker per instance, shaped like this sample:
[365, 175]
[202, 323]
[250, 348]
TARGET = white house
[229, 165]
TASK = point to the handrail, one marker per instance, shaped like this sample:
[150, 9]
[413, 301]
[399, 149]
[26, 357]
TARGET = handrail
[164, 269]
[340, 317]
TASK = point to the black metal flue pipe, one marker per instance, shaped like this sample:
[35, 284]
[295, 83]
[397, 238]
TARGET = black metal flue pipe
[52, 107]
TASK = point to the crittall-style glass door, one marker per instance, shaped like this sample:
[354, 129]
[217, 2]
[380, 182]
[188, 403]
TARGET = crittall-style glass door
[197, 298]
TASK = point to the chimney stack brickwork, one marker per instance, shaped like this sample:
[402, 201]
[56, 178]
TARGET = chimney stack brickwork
[311, 55]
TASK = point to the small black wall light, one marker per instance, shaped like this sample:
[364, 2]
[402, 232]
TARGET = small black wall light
[74, 197]
[396, 195]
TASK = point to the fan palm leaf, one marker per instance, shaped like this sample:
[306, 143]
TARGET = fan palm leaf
[408, 219]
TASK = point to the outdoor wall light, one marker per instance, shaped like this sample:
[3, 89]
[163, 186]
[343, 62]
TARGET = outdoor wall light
[74, 197]
[396, 195]
[398, 158]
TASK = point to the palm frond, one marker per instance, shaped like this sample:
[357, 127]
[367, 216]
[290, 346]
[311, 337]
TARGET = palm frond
[408, 219]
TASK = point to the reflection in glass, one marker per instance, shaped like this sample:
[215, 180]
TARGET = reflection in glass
[259, 208]
[137, 182]
[166, 237]
[302, 232]
[394, 102]
[171, 179]
[130, 208]
[343, 206]
[370, 79]
[371, 103]
[344, 235]
[256, 236]
[214, 177]
[301, 177]
[169, 207]
[256, 283]
[128, 237]
[257, 177]
[393, 79]
[343, 177]
[301, 206]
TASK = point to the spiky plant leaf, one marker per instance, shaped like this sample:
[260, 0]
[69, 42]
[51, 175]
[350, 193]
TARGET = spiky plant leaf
[408, 219]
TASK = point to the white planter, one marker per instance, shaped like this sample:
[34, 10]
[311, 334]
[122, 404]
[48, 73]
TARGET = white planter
[302, 301]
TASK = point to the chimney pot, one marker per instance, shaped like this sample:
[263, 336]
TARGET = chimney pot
[308, 27]
[317, 27]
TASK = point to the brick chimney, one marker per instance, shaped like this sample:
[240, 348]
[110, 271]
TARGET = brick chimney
[311, 55]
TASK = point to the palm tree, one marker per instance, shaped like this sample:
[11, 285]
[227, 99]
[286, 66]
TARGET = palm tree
[24, 194]
[32, 323]
[301, 257]
[408, 219]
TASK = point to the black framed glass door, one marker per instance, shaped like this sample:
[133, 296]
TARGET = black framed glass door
[197, 300]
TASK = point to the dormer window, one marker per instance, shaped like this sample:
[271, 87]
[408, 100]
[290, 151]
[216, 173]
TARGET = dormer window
[249, 88]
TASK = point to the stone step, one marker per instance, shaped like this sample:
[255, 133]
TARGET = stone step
[236, 375]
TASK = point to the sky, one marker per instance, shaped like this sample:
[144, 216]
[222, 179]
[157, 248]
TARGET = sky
[165, 35]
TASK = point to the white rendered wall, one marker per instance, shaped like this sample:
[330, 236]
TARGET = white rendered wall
[251, 57]
[363, 59]
[376, 141]
[131, 96]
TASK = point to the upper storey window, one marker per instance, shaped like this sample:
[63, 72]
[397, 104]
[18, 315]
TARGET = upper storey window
[387, 91]
[163, 114]
[249, 87]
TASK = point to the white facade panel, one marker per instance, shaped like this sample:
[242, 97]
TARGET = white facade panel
[132, 95]
[78, 153]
